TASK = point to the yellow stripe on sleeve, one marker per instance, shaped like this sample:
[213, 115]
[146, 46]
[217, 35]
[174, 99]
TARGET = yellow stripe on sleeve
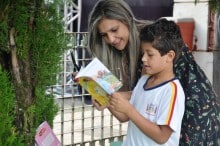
[172, 103]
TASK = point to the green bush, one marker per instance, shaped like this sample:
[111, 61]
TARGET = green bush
[32, 42]
[8, 133]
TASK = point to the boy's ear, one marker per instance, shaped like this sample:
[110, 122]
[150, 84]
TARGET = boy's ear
[171, 55]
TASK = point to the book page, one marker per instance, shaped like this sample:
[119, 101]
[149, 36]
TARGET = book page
[98, 80]
[96, 71]
[94, 90]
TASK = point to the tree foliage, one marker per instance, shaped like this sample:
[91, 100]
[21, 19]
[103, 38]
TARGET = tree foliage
[8, 133]
[32, 41]
[214, 4]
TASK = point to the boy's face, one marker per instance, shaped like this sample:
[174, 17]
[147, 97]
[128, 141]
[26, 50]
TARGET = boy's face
[153, 62]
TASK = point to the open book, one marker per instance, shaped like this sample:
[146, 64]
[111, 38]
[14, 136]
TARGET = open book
[99, 81]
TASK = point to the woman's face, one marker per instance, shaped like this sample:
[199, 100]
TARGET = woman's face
[114, 32]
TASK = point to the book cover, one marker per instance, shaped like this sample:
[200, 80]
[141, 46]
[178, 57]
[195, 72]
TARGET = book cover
[99, 81]
[45, 136]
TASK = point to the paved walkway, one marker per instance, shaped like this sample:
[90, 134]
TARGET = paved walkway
[84, 123]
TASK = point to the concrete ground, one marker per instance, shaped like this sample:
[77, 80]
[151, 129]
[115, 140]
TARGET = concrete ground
[79, 123]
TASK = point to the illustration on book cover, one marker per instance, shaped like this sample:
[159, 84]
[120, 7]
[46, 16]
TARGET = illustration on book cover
[98, 81]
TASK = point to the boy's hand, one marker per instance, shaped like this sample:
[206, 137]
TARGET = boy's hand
[119, 102]
[97, 105]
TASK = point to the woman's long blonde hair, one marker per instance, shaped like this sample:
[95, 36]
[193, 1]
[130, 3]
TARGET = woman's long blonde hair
[110, 56]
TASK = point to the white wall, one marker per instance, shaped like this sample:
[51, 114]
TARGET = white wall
[200, 13]
[205, 61]
[187, 9]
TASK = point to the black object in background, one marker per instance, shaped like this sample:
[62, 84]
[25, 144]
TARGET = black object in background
[142, 9]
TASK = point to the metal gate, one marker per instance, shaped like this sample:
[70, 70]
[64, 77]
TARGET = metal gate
[78, 123]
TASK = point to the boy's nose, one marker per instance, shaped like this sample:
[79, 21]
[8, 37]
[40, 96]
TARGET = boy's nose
[144, 58]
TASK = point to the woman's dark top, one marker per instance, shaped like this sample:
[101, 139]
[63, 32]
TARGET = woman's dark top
[201, 121]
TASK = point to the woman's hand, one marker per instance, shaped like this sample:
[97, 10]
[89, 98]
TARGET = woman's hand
[74, 75]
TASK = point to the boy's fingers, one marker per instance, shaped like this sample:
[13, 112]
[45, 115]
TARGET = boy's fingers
[97, 105]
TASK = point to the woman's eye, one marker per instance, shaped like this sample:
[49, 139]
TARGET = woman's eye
[114, 30]
[103, 35]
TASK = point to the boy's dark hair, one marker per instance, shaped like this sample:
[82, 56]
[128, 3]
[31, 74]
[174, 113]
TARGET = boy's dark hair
[164, 35]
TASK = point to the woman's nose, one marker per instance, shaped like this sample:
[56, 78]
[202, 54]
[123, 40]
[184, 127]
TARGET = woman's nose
[111, 39]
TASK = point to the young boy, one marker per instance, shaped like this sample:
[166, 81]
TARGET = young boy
[156, 107]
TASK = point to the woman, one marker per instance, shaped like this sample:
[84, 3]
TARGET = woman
[113, 38]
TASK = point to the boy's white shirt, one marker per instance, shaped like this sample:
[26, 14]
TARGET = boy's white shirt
[154, 104]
